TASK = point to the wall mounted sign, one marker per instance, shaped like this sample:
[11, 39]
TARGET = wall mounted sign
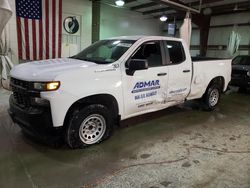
[71, 24]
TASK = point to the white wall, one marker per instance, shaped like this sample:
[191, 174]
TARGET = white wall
[83, 8]
[78, 7]
[118, 21]
[220, 36]
[114, 22]
[13, 34]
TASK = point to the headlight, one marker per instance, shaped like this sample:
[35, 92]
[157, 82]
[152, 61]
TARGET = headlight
[47, 86]
[248, 73]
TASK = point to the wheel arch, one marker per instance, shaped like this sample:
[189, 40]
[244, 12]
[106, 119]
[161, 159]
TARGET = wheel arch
[105, 99]
[219, 80]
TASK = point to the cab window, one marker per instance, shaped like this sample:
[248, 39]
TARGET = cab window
[150, 51]
[175, 51]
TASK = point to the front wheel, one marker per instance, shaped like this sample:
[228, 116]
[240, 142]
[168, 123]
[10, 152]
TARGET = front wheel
[89, 125]
[212, 97]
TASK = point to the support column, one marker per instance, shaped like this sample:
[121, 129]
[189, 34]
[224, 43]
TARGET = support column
[203, 22]
[96, 8]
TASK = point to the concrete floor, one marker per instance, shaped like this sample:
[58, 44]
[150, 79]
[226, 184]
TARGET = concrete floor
[178, 147]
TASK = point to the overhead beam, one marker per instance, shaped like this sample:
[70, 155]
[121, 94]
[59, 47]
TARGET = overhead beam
[225, 12]
[146, 5]
[172, 16]
[156, 10]
[231, 6]
[129, 1]
[216, 10]
[178, 5]
[196, 3]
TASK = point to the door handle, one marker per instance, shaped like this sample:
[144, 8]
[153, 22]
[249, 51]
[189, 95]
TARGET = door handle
[162, 74]
[186, 71]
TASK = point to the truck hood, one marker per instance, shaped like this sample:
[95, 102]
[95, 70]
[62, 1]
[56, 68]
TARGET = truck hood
[47, 70]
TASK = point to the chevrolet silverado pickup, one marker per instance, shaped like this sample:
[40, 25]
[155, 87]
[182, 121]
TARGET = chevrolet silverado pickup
[83, 97]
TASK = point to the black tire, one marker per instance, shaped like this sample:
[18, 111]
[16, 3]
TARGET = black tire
[212, 97]
[79, 136]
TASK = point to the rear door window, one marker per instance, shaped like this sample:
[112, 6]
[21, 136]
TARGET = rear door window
[175, 51]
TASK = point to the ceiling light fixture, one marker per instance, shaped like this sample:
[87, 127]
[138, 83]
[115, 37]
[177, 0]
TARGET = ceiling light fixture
[163, 18]
[119, 3]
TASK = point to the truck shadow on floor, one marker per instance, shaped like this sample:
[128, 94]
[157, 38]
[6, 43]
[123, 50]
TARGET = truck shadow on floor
[59, 143]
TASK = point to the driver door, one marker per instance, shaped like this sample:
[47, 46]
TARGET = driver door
[145, 90]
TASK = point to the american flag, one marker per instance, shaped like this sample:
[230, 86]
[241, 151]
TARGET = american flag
[39, 29]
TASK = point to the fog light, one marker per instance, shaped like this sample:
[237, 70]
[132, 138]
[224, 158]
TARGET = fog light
[248, 73]
[42, 102]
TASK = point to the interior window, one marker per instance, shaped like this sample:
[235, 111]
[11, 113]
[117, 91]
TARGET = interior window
[176, 52]
[150, 51]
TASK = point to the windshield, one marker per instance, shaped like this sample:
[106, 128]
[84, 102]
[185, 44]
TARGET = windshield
[105, 51]
[242, 60]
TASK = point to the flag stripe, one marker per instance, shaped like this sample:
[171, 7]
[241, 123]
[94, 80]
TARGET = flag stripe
[57, 28]
[30, 34]
[39, 29]
[27, 41]
[40, 39]
[48, 28]
[19, 37]
[23, 40]
[44, 30]
[54, 29]
[60, 29]
[37, 39]
[34, 39]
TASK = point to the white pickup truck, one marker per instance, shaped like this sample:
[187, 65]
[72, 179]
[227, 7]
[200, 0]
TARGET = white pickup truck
[84, 96]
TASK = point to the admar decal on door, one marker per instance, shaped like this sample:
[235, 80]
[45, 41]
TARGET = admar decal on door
[146, 86]
[146, 90]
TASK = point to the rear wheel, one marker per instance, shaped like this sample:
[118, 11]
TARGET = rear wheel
[89, 125]
[212, 97]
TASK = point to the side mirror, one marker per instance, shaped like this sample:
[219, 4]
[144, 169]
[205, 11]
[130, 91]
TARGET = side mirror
[136, 64]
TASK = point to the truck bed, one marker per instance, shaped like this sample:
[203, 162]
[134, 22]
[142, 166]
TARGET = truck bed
[206, 70]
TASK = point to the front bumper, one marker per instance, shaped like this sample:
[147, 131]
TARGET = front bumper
[34, 120]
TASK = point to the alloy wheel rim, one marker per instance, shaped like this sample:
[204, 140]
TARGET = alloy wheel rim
[92, 129]
[214, 97]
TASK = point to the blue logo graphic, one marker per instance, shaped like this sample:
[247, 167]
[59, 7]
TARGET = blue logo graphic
[146, 86]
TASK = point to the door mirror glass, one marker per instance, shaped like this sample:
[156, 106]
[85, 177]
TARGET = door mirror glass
[136, 64]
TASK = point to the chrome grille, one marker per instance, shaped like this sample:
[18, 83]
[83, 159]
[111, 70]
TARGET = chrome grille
[20, 92]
